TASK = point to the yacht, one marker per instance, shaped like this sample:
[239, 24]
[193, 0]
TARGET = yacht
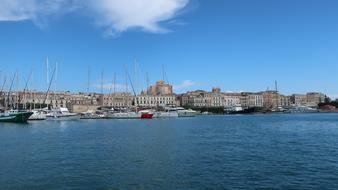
[90, 114]
[62, 114]
[168, 112]
[38, 115]
[302, 109]
[186, 112]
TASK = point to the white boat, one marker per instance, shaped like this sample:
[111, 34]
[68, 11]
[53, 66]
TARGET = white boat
[124, 115]
[62, 114]
[90, 114]
[302, 109]
[186, 112]
[169, 112]
[38, 115]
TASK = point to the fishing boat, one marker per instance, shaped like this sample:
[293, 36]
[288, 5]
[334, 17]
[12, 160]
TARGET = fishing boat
[15, 116]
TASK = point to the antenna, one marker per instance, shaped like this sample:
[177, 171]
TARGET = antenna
[276, 86]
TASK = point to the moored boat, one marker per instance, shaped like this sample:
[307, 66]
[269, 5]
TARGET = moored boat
[37, 115]
[146, 114]
[62, 114]
[186, 112]
[15, 116]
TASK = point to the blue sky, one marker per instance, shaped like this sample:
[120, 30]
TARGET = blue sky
[238, 45]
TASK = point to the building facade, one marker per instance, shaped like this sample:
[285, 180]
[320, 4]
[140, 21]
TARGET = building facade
[160, 89]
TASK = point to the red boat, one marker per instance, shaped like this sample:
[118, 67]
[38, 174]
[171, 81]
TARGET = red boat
[147, 116]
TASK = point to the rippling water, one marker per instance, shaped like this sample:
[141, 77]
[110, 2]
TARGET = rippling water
[207, 152]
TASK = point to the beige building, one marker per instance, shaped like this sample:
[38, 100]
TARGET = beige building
[249, 100]
[314, 98]
[271, 99]
[160, 89]
[310, 99]
[117, 100]
[154, 101]
[215, 98]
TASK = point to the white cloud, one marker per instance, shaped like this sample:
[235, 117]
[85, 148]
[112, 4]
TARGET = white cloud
[185, 84]
[121, 15]
[115, 15]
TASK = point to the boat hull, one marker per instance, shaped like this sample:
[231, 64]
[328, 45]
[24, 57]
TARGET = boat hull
[16, 118]
[147, 116]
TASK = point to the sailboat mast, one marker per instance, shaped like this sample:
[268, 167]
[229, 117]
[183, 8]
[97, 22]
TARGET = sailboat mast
[114, 83]
[147, 78]
[9, 91]
[88, 80]
[276, 88]
[102, 82]
[49, 85]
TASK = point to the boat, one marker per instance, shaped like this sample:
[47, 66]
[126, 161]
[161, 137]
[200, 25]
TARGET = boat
[15, 116]
[239, 110]
[186, 112]
[168, 112]
[301, 109]
[90, 114]
[123, 115]
[146, 114]
[62, 114]
[38, 115]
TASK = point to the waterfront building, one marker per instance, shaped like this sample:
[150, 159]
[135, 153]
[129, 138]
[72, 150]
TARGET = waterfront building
[249, 100]
[155, 101]
[116, 100]
[285, 101]
[215, 98]
[231, 100]
[271, 99]
[299, 99]
[314, 98]
[311, 99]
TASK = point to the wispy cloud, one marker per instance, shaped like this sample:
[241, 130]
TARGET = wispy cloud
[115, 16]
[185, 84]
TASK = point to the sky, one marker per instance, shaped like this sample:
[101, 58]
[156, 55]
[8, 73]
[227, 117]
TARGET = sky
[237, 45]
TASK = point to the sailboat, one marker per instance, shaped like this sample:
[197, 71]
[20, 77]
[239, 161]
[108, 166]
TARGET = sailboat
[14, 116]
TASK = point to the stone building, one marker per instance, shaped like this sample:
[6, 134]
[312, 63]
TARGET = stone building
[154, 101]
[116, 100]
[160, 89]
[249, 100]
